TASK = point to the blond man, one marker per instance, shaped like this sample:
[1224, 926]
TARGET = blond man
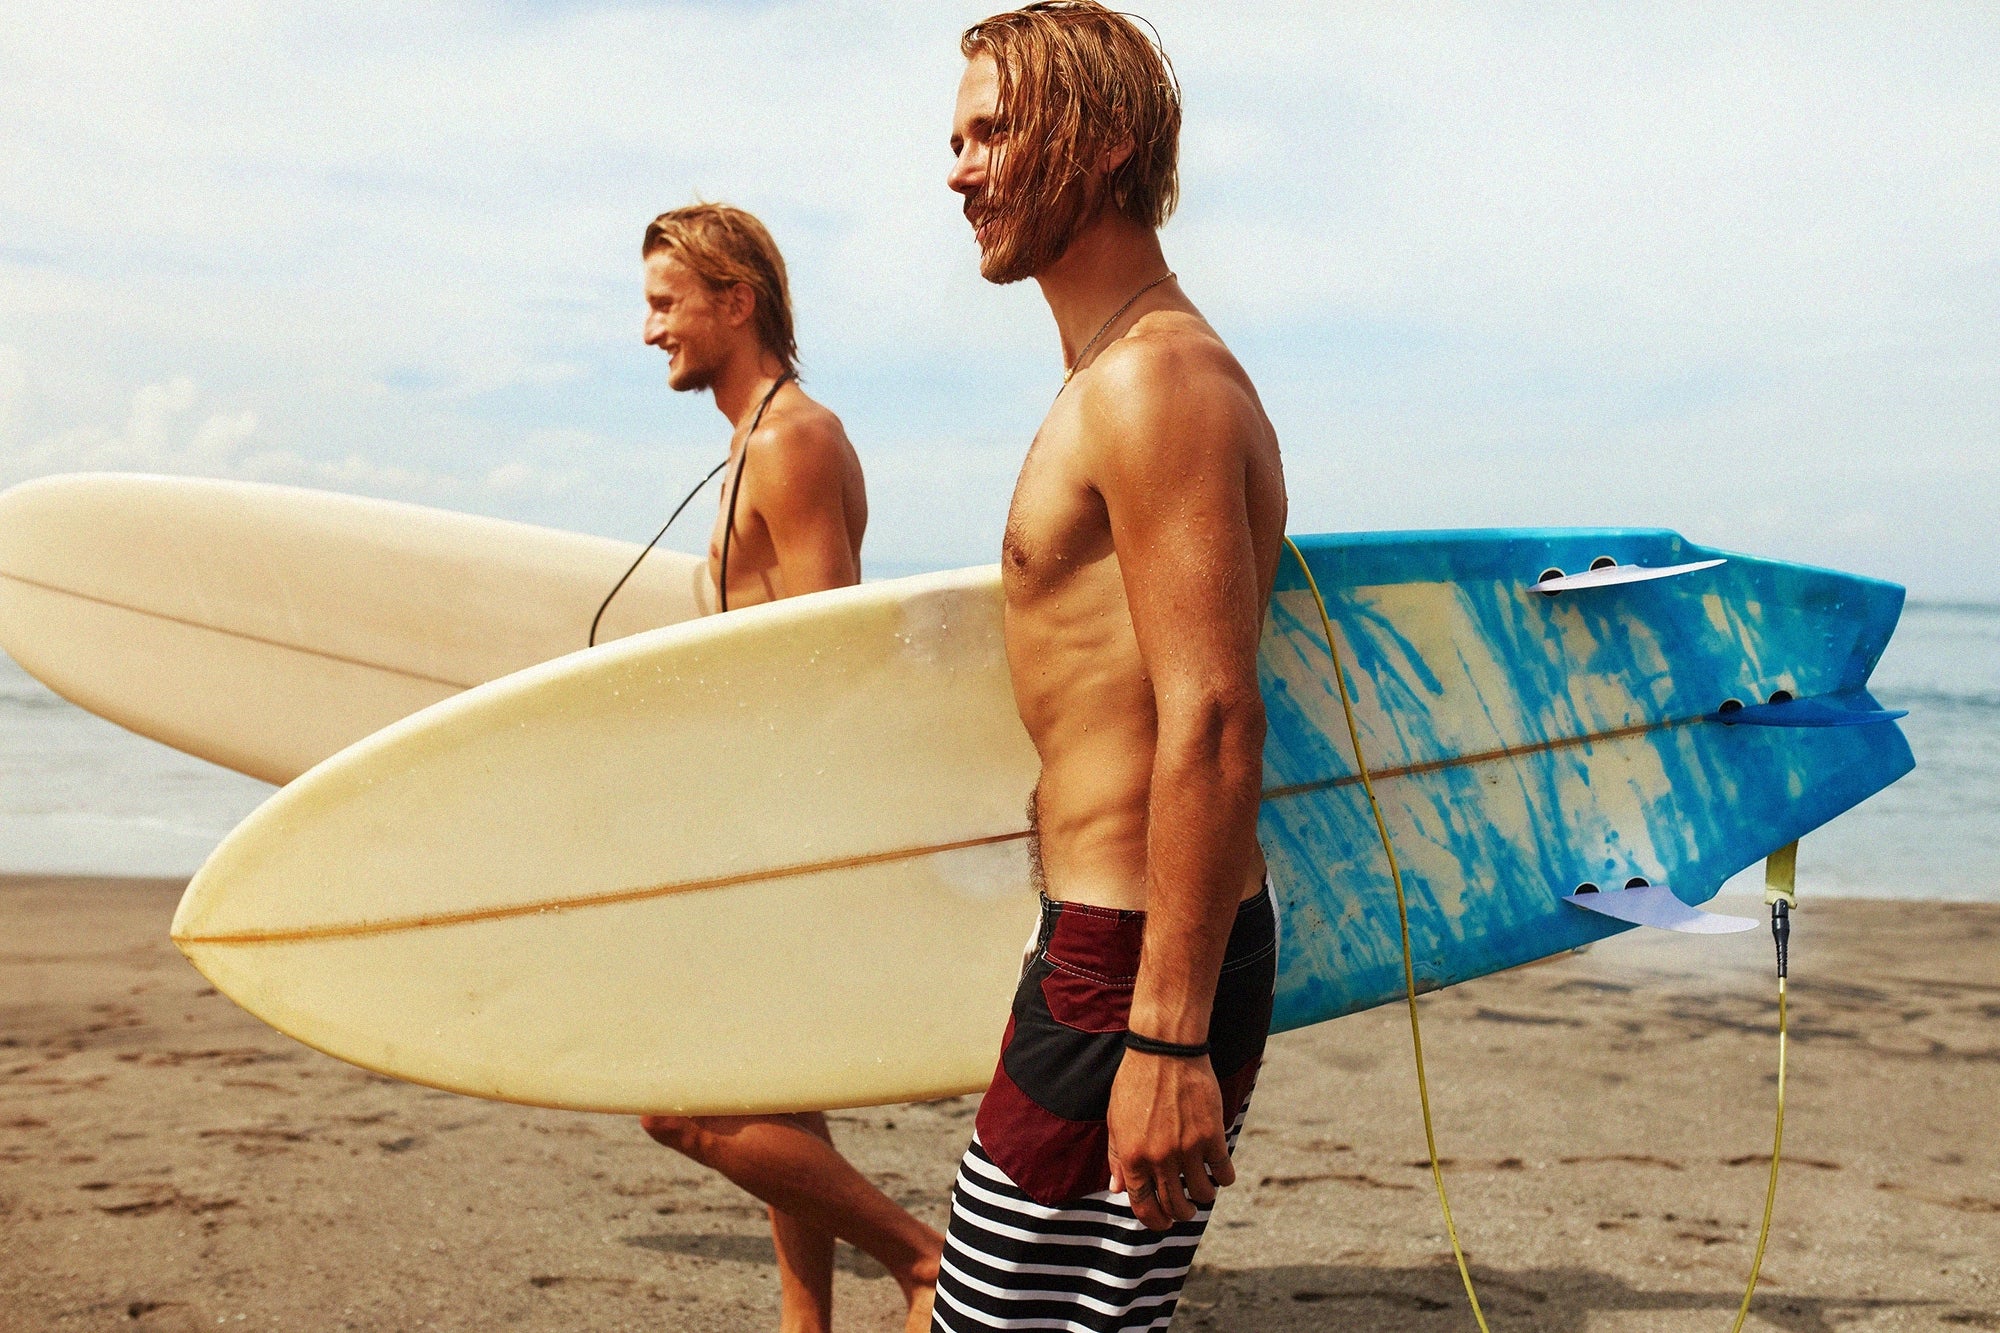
[789, 521]
[1140, 550]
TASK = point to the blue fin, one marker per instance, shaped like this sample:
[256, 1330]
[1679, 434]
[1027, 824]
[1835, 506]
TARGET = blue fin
[1804, 713]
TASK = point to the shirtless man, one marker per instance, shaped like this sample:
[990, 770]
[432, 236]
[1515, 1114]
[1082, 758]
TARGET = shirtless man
[790, 522]
[1140, 551]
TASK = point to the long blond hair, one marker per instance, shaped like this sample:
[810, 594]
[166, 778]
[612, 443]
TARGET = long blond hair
[724, 246]
[1076, 81]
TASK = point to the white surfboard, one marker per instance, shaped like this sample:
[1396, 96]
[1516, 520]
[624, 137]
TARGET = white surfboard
[718, 867]
[266, 627]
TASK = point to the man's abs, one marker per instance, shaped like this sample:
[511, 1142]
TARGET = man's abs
[1084, 696]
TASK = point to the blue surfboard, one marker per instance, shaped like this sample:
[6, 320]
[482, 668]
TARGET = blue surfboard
[1543, 711]
[780, 859]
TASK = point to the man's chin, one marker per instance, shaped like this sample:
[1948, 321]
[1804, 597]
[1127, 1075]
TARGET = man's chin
[1001, 267]
[691, 380]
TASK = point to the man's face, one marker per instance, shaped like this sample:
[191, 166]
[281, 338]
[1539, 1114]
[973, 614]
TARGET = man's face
[684, 319]
[977, 143]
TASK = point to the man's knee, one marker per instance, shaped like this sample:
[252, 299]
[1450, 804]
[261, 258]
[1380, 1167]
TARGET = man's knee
[700, 1136]
[681, 1133]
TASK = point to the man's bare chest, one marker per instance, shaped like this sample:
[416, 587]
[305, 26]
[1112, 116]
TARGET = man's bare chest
[1056, 522]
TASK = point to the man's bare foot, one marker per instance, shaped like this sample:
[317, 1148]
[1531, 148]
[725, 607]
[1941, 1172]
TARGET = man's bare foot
[919, 1282]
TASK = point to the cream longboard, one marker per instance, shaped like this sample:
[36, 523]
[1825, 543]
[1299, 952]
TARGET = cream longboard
[778, 859]
[267, 627]
[684, 871]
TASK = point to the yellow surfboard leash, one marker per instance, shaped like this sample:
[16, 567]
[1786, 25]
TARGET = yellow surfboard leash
[1779, 893]
[1781, 896]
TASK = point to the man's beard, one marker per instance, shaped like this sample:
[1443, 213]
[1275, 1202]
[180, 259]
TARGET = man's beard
[1007, 257]
[693, 377]
[1023, 240]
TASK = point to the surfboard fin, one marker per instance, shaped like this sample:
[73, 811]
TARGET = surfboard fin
[1802, 713]
[1655, 905]
[1605, 574]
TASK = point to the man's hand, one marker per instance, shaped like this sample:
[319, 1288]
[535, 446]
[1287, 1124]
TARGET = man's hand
[1168, 1149]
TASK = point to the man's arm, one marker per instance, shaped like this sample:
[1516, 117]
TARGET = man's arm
[1170, 444]
[795, 484]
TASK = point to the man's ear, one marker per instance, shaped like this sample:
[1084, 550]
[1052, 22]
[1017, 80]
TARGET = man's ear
[739, 303]
[1118, 154]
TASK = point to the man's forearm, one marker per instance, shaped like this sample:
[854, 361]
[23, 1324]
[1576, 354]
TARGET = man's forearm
[1202, 828]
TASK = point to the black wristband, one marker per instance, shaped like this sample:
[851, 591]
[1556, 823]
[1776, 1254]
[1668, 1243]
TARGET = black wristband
[1174, 1050]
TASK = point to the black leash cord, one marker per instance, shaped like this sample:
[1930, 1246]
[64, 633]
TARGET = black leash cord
[722, 578]
[634, 567]
[722, 587]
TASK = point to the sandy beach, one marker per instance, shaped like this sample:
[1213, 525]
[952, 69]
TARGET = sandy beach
[173, 1164]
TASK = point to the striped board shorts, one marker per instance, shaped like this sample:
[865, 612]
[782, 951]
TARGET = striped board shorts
[1037, 1240]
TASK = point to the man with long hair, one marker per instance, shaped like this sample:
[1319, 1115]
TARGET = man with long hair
[789, 521]
[1139, 554]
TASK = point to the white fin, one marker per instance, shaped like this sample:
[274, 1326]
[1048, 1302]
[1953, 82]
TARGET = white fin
[1655, 905]
[1612, 575]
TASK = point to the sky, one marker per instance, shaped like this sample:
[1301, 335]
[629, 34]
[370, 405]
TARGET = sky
[1732, 269]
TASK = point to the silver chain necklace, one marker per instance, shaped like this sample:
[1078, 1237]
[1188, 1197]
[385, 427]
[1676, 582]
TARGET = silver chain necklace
[1070, 371]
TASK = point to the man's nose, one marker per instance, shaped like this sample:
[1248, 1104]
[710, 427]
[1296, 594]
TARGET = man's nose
[966, 170]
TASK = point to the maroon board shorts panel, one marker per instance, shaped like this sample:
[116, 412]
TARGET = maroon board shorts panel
[1042, 1121]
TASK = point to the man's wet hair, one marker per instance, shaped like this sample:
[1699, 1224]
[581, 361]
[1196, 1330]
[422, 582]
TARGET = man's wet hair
[724, 246]
[1077, 80]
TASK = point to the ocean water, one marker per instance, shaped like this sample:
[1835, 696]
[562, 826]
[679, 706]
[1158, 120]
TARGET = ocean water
[80, 795]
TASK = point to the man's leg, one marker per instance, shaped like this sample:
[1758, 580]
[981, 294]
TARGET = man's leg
[1088, 1264]
[789, 1162]
[805, 1274]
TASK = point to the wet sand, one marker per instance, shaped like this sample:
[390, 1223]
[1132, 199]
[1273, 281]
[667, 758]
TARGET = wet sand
[170, 1163]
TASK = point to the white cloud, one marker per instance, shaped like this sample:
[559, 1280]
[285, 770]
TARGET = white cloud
[156, 437]
[166, 431]
[221, 435]
[509, 476]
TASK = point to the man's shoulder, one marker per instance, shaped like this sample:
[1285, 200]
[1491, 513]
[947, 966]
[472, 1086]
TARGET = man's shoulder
[1170, 368]
[798, 436]
[797, 424]
[796, 415]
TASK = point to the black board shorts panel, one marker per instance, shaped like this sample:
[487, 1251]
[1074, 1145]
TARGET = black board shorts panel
[1042, 1119]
